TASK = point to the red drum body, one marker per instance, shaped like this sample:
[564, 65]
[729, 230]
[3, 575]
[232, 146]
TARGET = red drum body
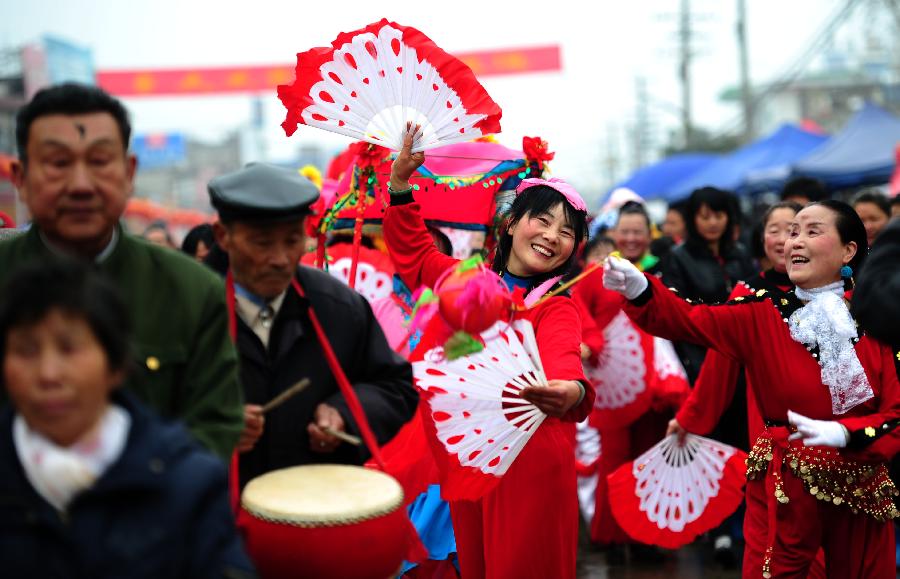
[325, 522]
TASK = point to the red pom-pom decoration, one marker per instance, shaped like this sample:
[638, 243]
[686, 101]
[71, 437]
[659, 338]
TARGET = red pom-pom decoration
[472, 298]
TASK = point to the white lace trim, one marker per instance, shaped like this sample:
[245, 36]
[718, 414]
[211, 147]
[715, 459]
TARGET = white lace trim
[825, 322]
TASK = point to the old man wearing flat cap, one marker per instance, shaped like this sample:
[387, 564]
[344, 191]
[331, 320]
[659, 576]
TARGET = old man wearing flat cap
[262, 213]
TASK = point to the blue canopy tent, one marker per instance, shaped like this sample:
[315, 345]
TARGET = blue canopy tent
[861, 153]
[767, 160]
[655, 181]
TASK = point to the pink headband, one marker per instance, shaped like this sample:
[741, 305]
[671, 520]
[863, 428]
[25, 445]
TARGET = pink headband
[564, 188]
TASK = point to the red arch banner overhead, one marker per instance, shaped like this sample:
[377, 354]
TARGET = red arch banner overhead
[188, 81]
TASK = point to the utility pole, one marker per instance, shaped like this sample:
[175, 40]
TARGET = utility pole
[641, 133]
[894, 9]
[744, 65]
[684, 38]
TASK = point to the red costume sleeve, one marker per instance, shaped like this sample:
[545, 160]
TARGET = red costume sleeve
[557, 325]
[416, 259]
[591, 333]
[886, 447]
[714, 388]
[726, 328]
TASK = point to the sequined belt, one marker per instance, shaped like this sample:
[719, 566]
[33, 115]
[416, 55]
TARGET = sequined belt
[826, 474]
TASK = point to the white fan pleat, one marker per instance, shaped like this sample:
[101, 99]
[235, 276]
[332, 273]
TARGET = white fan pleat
[375, 100]
[475, 400]
[675, 483]
[665, 360]
[620, 374]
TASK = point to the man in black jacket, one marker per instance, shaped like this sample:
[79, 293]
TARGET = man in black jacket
[262, 214]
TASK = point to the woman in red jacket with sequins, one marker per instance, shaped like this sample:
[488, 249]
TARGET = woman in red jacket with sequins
[803, 353]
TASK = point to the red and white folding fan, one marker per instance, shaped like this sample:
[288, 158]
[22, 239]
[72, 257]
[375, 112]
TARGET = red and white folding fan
[621, 374]
[672, 493]
[375, 80]
[374, 273]
[671, 387]
[476, 419]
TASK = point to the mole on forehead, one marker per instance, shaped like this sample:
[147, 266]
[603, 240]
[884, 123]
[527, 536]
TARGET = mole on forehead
[80, 128]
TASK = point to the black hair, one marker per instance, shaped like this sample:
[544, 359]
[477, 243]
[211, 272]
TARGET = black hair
[441, 241]
[69, 99]
[634, 208]
[850, 228]
[895, 200]
[757, 241]
[597, 240]
[35, 289]
[159, 225]
[792, 205]
[758, 234]
[717, 200]
[812, 189]
[202, 232]
[876, 198]
[678, 206]
[536, 200]
[343, 237]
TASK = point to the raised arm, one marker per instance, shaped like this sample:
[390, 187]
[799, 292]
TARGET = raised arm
[416, 259]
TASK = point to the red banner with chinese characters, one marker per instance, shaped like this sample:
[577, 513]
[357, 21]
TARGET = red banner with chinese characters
[189, 81]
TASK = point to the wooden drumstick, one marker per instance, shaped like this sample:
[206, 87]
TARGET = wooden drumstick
[286, 395]
[348, 438]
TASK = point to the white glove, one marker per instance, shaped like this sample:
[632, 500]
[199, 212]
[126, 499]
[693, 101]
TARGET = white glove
[818, 432]
[621, 276]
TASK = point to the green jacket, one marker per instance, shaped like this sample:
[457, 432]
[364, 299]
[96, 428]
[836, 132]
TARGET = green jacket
[186, 365]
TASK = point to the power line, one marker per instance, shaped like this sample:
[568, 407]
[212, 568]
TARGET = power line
[795, 69]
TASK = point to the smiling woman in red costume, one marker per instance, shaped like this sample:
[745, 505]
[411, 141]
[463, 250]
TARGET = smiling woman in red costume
[528, 525]
[802, 353]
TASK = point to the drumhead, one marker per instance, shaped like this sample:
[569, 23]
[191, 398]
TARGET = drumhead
[322, 495]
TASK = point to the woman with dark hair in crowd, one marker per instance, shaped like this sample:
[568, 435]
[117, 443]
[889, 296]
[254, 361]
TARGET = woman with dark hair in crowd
[709, 263]
[803, 354]
[510, 532]
[199, 241]
[875, 211]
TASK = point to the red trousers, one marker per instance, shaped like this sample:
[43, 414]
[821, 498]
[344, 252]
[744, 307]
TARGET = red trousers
[527, 527]
[855, 546]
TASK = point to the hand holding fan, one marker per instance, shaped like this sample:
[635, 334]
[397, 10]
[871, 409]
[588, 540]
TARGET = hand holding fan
[476, 415]
[371, 83]
[672, 493]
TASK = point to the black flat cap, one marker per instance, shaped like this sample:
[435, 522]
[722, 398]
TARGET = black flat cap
[262, 192]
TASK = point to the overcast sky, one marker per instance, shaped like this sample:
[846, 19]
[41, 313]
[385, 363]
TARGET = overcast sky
[604, 49]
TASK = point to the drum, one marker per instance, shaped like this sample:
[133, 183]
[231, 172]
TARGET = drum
[325, 521]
